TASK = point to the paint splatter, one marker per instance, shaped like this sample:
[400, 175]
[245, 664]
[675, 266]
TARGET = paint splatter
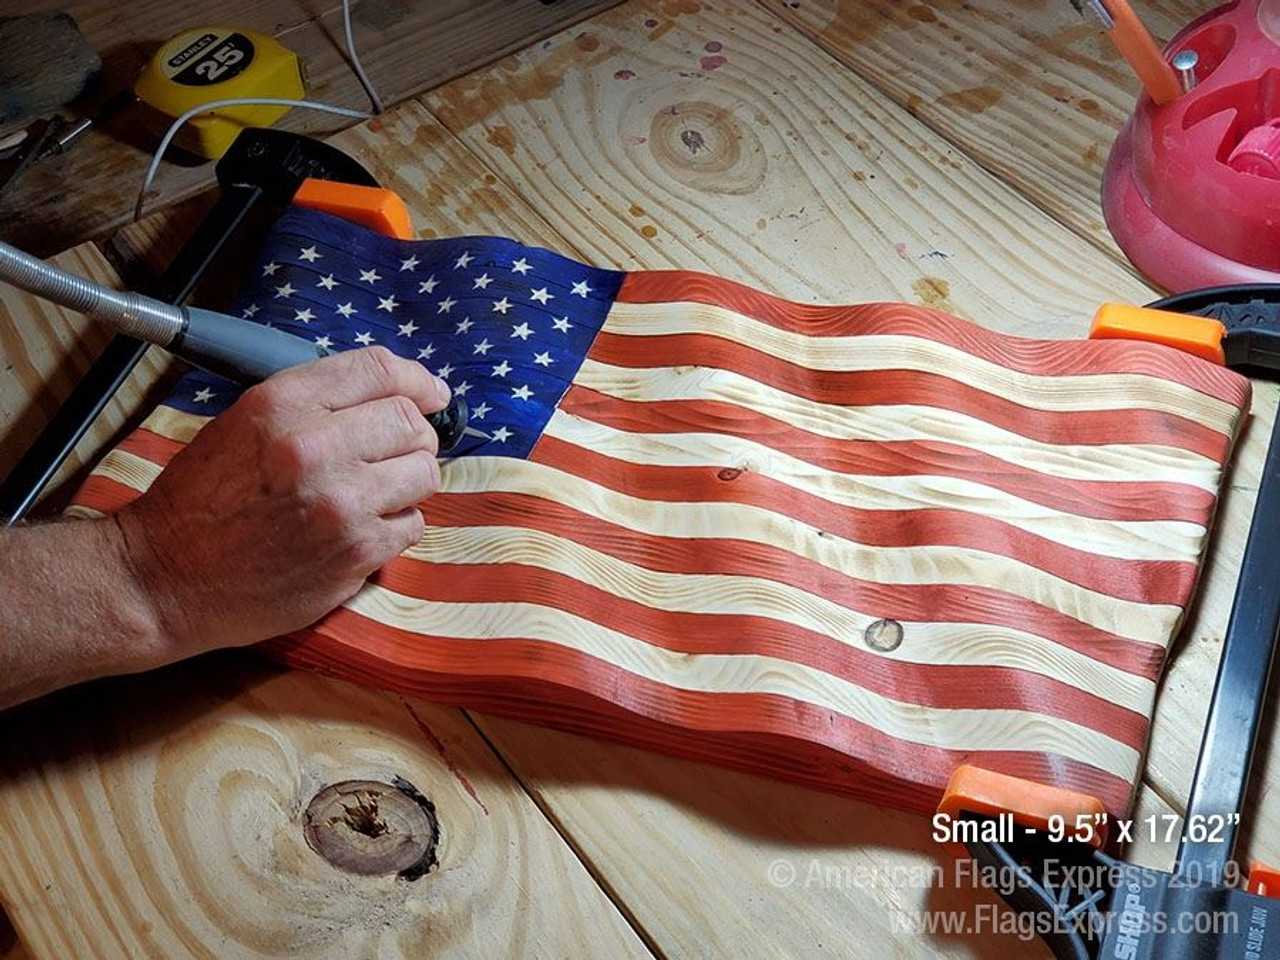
[649, 231]
[624, 74]
[713, 46]
[587, 42]
[634, 140]
[900, 248]
[934, 292]
[713, 63]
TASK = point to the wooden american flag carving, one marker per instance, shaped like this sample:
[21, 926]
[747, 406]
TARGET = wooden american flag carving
[849, 546]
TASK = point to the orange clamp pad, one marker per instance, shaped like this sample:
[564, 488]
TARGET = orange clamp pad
[1200, 336]
[1264, 880]
[974, 790]
[373, 207]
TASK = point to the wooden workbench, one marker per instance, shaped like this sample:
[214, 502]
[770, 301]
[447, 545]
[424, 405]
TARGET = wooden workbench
[946, 153]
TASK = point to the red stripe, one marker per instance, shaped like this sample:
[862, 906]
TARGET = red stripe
[914, 602]
[1044, 357]
[1102, 499]
[151, 446]
[104, 494]
[949, 687]
[1141, 581]
[884, 387]
[762, 733]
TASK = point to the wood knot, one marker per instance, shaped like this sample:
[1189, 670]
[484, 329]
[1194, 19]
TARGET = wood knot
[730, 473]
[372, 828]
[705, 147]
[884, 635]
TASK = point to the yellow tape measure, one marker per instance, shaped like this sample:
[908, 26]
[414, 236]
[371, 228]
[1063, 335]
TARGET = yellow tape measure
[204, 64]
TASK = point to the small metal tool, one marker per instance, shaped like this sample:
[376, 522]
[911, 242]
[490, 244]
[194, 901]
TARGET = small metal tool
[1184, 65]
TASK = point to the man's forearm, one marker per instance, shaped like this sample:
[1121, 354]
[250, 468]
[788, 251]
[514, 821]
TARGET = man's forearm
[71, 608]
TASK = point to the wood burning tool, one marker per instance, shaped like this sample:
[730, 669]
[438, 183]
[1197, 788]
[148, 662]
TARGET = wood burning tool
[1085, 904]
[263, 167]
[238, 349]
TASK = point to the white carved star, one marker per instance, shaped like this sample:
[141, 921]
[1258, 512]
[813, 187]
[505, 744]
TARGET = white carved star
[581, 289]
[429, 284]
[407, 329]
[203, 395]
[543, 359]
[520, 266]
[251, 310]
[462, 261]
[483, 347]
[443, 372]
[501, 370]
[461, 389]
[346, 309]
[324, 343]
[482, 282]
[309, 254]
[369, 276]
[426, 352]
[465, 324]
[522, 392]
[562, 324]
[327, 282]
[522, 331]
[285, 290]
[445, 305]
[388, 304]
[408, 264]
[541, 295]
[304, 315]
[480, 412]
[501, 306]
[270, 269]
[502, 434]
[364, 339]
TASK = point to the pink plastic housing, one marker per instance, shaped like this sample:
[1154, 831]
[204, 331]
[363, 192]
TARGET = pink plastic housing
[1192, 188]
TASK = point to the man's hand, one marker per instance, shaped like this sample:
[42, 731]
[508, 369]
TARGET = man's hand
[283, 505]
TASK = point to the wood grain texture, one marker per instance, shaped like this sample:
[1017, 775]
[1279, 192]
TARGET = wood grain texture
[686, 848]
[174, 826]
[44, 350]
[987, 77]
[405, 47]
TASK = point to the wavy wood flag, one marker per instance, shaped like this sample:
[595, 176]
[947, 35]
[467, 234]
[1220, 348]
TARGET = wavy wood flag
[851, 546]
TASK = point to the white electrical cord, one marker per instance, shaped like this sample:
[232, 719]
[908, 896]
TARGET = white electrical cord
[218, 105]
[354, 57]
[174, 127]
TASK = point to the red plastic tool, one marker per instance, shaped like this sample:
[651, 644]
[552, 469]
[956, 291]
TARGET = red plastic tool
[1192, 188]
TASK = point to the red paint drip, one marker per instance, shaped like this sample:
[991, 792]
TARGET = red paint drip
[712, 63]
[448, 760]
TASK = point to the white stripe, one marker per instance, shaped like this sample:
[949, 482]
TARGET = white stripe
[735, 673]
[1122, 539]
[903, 422]
[926, 643]
[876, 352]
[1153, 623]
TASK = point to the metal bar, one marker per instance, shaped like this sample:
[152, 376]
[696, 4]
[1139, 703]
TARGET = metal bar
[37, 467]
[1239, 695]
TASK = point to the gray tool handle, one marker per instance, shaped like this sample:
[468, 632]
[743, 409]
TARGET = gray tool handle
[239, 349]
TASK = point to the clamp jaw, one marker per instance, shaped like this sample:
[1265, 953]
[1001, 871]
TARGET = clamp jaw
[1084, 903]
